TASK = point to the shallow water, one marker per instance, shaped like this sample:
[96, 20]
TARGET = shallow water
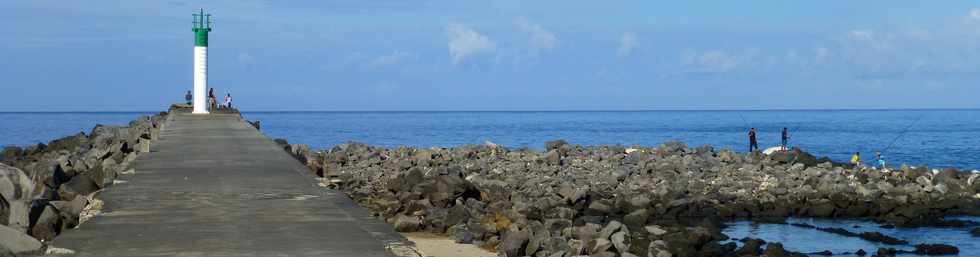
[941, 138]
[808, 240]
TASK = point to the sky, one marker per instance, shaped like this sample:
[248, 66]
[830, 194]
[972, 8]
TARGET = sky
[394, 55]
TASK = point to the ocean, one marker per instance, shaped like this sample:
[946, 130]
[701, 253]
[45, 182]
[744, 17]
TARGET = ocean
[936, 138]
[809, 240]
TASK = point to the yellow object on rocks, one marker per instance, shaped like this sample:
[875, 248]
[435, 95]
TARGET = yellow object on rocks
[856, 159]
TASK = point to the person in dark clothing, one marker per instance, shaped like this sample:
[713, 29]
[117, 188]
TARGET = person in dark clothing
[212, 100]
[188, 97]
[785, 138]
[753, 144]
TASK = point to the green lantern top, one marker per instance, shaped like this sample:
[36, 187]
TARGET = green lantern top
[202, 25]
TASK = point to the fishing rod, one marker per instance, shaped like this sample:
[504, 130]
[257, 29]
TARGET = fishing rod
[902, 133]
[744, 121]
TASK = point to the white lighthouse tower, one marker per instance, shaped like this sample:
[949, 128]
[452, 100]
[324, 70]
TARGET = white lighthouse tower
[202, 25]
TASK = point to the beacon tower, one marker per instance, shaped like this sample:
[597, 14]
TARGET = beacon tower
[202, 25]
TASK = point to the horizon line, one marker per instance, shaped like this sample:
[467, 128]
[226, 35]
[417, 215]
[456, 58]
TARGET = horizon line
[569, 110]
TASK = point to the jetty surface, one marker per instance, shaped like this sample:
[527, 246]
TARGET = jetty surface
[212, 185]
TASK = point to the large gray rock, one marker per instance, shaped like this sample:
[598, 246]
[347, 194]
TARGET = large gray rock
[10, 153]
[106, 172]
[48, 224]
[658, 248]
[4, 210]
[68, 143]
[637, 218]
[404, 223]
[655, 231]
[513, 244]
[552, 145]
[17, 242]
[70, 210]
[621, 241]
[78, 185]
[551, 158]
[17, 190]
[610, 228]
[599, 245]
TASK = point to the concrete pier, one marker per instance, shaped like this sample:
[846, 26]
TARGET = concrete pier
[214, 186]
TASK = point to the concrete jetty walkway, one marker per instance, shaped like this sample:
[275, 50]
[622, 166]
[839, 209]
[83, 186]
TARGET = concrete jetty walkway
[214, 186]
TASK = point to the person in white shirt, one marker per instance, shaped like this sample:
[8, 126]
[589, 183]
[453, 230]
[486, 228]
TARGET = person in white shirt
[228, 100]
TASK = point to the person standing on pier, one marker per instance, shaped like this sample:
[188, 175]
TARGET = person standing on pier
[188, 97]
[785, 138]
[753, 144]
[212, 101]
[228, 100]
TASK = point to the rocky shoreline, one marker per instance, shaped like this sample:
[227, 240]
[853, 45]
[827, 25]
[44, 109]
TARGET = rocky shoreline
[46, 189]
[568, 200]
[617, 201]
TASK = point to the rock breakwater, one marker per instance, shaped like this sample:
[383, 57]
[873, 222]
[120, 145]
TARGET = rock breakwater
[47, 188]
[616, 201]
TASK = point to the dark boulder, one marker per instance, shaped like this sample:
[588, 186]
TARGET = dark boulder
[69, 143]
[551, 158]
[405, 223]
[70, 210]
[10, 153]
[750, 247]
[513, 244]
[886, 252]
[4, 210]
[77, 185]
[824, 253]
[795, 155]
[774, 250]
[637, 218]
[936, 249]
[463, 236]
[457, 215]
[879, 237]
[284, 144]
[104, 173]
[553, 145]
[48, 223]
[673, 147]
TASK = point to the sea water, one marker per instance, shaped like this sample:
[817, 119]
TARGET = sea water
[809, 240]
[937, 138]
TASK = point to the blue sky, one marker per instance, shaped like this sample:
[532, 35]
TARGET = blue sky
[125, 55]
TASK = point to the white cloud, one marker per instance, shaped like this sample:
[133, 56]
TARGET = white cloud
[388, 60]
[711, 62]
[540, 38]
[626, 44]
[974, 14]
[465, 42]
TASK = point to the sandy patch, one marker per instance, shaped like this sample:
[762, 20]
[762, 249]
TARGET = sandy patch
[442, 246]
